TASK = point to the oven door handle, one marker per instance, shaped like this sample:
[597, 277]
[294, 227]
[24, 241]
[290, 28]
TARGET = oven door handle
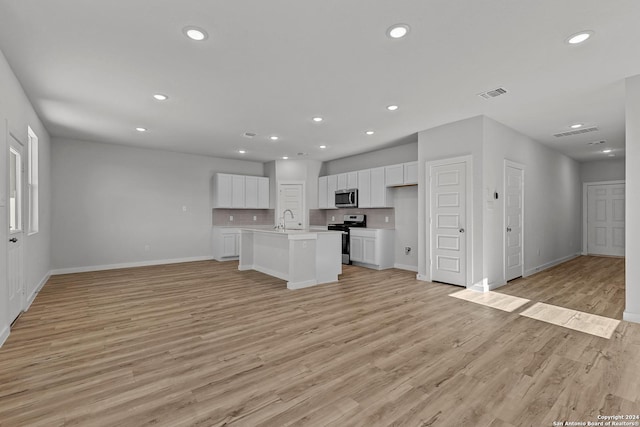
[351, 198]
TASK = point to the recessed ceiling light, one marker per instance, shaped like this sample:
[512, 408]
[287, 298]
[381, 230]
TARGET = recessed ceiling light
[369, 132]
[317, 119]
[398, 31]
[273, 138]
[323, 146]
[160, 97]
[242, 151]
[576, 126]
[285, 158]
[580, 37]
[392, 107]
[195, 33]
[141, 129]
[608, 150]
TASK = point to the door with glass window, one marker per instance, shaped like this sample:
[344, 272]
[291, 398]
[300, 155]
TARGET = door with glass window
[15, 258]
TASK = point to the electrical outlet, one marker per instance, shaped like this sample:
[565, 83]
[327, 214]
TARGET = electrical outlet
[146, 247]
[304, 244]
[333, 218]
[184, 209]
[407, 250]
[255, 218]
[386, 219]
[230, 217]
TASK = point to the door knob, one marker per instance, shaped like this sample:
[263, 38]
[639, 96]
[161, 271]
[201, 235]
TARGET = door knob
[461, 230]
[13, 240]
[509, 229]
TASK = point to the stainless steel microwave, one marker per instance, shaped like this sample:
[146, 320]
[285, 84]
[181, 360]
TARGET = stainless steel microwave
[347, 198]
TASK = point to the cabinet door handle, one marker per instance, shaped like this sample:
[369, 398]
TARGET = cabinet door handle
[461, 230]
[13, 240]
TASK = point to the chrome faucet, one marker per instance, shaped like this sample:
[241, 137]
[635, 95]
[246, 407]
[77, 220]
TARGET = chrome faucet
[284, 218]
[281, 221]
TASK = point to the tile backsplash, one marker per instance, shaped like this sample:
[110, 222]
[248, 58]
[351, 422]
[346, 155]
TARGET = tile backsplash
[375, 217]
[222, 217]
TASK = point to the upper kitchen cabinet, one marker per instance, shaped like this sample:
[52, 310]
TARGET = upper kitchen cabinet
[379, 193]
[240, 192]
[401, 174]
[263, 192]
[332, 186]
[322, 193]
[342, 181]
[410, 173]
[364, 188]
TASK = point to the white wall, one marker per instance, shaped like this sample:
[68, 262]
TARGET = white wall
[552, 201]
[405, 198]
[602, 170]
[373, 159]
[632, 196]
[16, 110]
[111, 202]
[451, 140]
[552, 206]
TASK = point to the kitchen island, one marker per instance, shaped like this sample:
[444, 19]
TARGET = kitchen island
[301, 257]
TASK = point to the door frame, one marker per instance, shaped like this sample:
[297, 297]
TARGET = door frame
[10, 137]
[468, 161]
[520, 166]
[304, 201]
[585, 208]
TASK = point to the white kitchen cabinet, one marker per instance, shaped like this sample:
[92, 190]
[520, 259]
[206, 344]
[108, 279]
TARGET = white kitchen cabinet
[342, 181]
[251, 192]
[322, 193]
[226, 243]
[332, 186]
[237, 191]
[263, 192]
[364, 188]
[240, 192]
[401, 174]
[378, 188]
[394, 175]
[373, 248]
[221, 190]
[352, 180]
[410, 173]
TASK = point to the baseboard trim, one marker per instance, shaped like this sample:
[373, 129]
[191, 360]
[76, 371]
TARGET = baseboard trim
[631, 317]
[407, 267]
[4, 335]
[548, 265]
[37, 290]
[421, 277]
[301, 285]
[128, 265]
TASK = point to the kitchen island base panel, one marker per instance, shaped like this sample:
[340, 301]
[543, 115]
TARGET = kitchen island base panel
[303, 259]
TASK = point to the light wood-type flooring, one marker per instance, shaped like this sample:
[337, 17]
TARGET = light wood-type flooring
[590, 284]
[203, 344]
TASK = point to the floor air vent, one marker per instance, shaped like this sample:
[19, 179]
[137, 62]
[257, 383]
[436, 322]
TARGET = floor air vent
[493, 93]
[576, 132]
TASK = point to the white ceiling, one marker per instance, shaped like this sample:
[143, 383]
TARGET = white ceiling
[90, 69]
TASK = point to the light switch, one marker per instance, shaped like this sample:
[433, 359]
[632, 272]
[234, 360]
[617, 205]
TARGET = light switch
[230, 217]
[184, 209]
[255, 218]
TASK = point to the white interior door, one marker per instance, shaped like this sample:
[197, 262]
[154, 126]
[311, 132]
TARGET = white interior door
[290, 196]
[448, 196]
[605, 219]
[15, 262]
[513, 214]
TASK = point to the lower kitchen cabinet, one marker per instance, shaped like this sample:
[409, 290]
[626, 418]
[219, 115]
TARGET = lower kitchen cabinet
[373, 248]
[226, 243]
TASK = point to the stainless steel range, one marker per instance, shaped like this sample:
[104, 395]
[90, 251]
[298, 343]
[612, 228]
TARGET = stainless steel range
[349, 221]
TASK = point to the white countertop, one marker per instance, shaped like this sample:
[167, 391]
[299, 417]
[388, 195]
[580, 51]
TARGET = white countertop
[291, 234]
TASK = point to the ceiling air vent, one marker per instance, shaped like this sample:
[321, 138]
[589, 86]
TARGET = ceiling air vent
[576, 132]
[249, 134]
[597, 142]
[493, 93]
